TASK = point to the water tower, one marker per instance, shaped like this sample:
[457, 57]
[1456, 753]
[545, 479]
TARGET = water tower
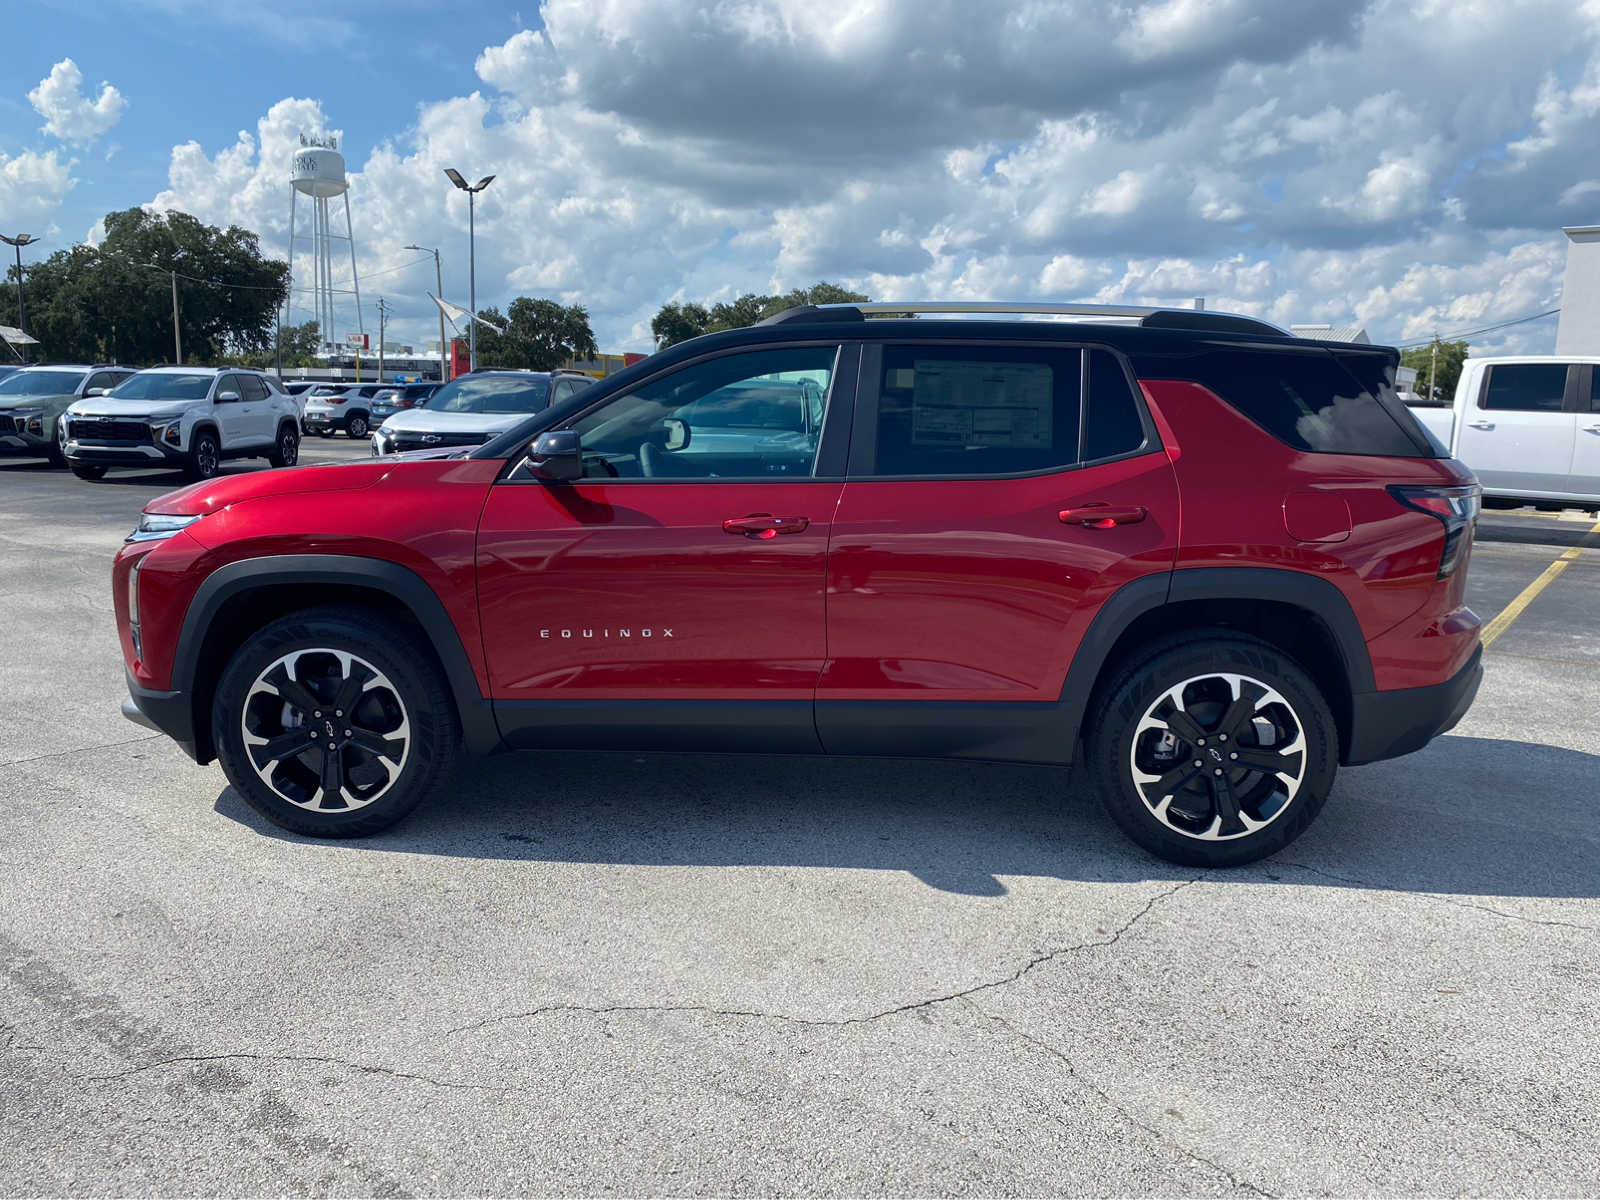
[319, 175]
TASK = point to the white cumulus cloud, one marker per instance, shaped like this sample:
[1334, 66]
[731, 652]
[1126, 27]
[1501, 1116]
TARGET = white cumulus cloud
[68, 113]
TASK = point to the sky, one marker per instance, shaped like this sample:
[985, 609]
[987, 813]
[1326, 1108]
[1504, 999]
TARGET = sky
[1403, 166]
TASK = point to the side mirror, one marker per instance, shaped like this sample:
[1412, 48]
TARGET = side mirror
[557, 456]
[95, 391]
[677, 432]
[227, 397]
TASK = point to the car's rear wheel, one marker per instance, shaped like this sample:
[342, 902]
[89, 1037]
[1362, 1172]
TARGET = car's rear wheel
[1213, 750]
[334, 723]
[286, 452]
[356, 426]
[88, 470]
[205, 456]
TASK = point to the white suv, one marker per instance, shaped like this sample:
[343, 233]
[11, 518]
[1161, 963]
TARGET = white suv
[472, 409]
[188, 417]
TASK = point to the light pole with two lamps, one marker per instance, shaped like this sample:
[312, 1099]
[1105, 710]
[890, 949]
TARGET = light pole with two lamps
[21, 240]
[472, 191]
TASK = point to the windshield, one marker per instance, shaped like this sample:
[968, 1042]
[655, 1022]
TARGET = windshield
[491, 394]
[158, 385]
[41, 383]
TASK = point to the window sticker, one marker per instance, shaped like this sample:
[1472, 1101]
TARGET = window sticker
[971, 404]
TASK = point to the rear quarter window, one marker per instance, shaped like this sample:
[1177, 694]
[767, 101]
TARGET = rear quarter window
[1313, 400]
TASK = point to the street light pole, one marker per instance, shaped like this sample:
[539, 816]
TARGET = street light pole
[177, 343]
[472, 258]
[21, 240]
[438, 282]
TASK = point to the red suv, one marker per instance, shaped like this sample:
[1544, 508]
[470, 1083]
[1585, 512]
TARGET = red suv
[1207, 560]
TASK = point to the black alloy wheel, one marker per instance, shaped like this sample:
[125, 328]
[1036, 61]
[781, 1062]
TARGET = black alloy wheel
[205, 456]
[1213, 749]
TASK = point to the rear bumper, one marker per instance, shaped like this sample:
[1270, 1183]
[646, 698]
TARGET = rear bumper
[1389, 724]
[165, 712]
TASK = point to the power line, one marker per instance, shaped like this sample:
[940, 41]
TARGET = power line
[1450, 337]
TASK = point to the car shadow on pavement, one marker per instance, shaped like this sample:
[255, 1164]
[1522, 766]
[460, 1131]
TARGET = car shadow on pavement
[1467, 816]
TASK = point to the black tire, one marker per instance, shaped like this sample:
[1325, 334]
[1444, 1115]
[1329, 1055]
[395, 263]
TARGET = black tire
[410, 677]
[327, 433]
[286, 451]
[356, 425]
[1197, 810]
[88, 470]
[205, 456]
[56, 452]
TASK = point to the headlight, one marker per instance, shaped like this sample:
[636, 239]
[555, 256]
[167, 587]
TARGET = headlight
[170, 431]
[155, 526]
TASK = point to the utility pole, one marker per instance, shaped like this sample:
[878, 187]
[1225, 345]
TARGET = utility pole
[1433, 367]
[177, 342]
[383, 321]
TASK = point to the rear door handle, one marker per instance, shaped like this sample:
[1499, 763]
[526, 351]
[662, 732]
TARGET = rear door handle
[1102, 516]
[1591, 428]
[765, 526]
[1480, 424]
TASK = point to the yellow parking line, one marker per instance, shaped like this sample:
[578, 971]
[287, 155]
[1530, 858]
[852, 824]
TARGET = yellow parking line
[1529, 594]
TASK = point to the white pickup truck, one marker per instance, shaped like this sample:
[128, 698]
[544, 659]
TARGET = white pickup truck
[1529, 427]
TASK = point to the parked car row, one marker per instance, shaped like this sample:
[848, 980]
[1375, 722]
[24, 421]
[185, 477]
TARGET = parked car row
[91, 418]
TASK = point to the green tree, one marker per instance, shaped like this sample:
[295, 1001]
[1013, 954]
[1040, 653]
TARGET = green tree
[114, 301]
[297, 345]
[674, 323]
[1451, 357]
[677, 322]
[539, 335]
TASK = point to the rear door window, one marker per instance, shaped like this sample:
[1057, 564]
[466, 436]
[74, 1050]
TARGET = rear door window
[1112, 426]
[252, 387]
[1526, 387]
[971, 411]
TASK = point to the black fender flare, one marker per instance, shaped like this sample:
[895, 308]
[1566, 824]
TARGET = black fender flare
[479, 731]
[1316, 595]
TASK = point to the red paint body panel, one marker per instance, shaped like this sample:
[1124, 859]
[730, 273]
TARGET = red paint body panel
[564, 570]
[420, 515]
[976, 590]
[1385, 568]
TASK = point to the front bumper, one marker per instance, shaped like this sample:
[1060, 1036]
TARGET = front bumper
[1389, 724]
[123, 452]
[166, 712]
[24, 445]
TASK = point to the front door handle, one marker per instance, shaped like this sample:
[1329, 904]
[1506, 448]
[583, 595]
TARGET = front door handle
[765, 526]
[1591, 428]
[1102, 516]
[1480, 424]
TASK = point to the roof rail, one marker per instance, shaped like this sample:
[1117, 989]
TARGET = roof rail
[1155, 317]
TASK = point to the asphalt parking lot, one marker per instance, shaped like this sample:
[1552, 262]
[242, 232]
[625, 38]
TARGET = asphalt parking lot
[627, 974]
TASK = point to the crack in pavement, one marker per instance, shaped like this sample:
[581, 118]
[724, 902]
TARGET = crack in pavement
[1121, 1111]
[838, 1022]
[366, 1068]
[148, 737]
[1434, 896]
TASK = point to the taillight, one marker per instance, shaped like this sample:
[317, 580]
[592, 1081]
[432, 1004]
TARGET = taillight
[1456, 507]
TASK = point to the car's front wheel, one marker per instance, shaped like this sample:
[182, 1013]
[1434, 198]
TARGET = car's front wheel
[205, 456]
[286, 451]
[334, 723]
[57, 451]
[1213, 750]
